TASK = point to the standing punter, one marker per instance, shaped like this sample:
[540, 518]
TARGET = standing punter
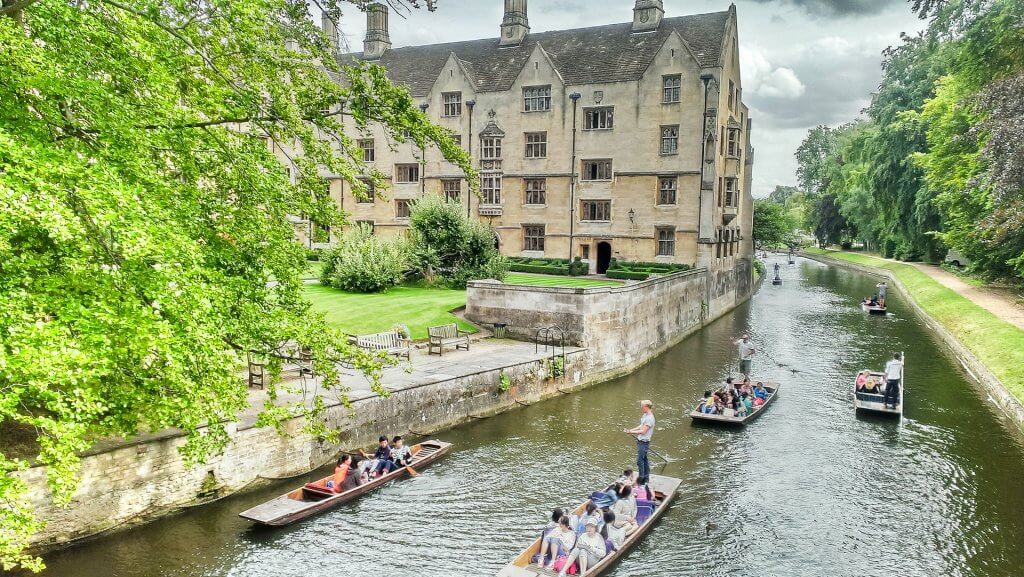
[747, 351]
[643, 434]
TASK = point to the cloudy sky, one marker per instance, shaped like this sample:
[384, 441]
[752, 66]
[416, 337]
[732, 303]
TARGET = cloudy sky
[804, 62]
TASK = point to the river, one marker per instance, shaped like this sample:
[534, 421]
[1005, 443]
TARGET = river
[809, 489]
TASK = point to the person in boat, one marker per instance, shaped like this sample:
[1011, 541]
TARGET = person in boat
[704, 402]
[556, 514]
[558, 543]
[625, 511]
[612, 534]
[883, 289]
[644, 432]
[748, 404]
[746, 350]
[893, 378]
[862, 380]
[628, 477]
[382, 456]
[341, 471]
[356, 476]
[401, 455]
[589, 550]
[739, 408]
[591, 511]
[730, 387]
[727, 407]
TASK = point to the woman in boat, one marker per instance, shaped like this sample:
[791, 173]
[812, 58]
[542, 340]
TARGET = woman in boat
[558, 543]
[625, 510]
[341, 470]
[748, 403]
[760, 392]
[589, 550]
[356, 476]
[590, 512]
[862, 379]
[611, 533]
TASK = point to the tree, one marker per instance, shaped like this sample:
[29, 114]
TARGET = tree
[142, 215]
[452, 247]
[772, 225]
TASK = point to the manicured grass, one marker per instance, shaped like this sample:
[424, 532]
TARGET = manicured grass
[522, 278]
[312, 269]
[997, 343]
[414, 306]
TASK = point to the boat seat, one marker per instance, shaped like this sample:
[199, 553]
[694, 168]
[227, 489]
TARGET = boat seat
[644, 510]
[317, 490]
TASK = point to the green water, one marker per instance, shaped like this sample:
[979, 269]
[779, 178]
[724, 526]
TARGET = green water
[808, 490]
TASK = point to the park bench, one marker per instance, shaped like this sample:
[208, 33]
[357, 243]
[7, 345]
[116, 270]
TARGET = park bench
[446, 335]
[390, 342]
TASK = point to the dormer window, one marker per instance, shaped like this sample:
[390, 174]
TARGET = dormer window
[671, 86]
[537, 98]
[452, 104]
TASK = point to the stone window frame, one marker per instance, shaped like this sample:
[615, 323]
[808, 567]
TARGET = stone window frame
[593, 209]
[451, 104]
[732, 190]
[671, 88]
[538, 188]
[668, 185]
[599, 118]
[407, 173]
[596, 169]
[490, 189]
[536, 144]
[537, 98]
[367, 146]
[669, 140]
[533, 237]
[732, 95]
[452, 193]
[371, 192]
[732, 149]
[316, 230]
[490, 147]
[403, 207]
[666, 240]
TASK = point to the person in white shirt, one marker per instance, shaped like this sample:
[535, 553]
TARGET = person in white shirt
[893, 380]
[747, 351]
[643, 433]
[589, 550]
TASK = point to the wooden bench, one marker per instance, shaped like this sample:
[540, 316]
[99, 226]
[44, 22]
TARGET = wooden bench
[390, 342]
[447, 335]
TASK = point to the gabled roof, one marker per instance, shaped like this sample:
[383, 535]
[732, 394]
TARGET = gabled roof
[610, 53]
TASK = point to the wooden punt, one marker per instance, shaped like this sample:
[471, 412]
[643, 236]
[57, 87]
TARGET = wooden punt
[872, 309]
[305, 502]
[874, 403]
[664, 491]
[773, 392]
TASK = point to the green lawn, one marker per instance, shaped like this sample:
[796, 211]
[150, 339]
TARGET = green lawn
[996, 343]
[522, 278]
[413, 306]
[312, 269]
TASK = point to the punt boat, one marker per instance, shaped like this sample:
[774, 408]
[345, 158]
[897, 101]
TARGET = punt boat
[307, 501]
[874, 402]
[664, 491]
[773, 392]
[872, 309]
[777, 281]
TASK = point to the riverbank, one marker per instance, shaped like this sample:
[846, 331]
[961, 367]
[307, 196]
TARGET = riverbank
[990, 348]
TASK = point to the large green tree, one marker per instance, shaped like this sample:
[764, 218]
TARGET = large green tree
[142, 214]
[772, 225]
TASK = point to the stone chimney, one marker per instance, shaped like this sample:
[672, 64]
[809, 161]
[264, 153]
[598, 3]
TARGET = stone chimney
[377, 39]
[647, 15]
[515, 26]
[331, 31]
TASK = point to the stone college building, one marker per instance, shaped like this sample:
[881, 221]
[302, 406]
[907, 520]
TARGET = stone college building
[626, 140]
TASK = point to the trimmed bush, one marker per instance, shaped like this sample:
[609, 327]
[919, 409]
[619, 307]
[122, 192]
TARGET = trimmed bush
[540, 269]
[626, 275]
[578, 267]
[365, 263]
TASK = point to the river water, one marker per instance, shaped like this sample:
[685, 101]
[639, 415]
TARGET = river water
[809, 489]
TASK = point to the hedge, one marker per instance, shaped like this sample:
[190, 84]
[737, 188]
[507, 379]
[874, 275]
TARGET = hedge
[539, 269]
[626, 274]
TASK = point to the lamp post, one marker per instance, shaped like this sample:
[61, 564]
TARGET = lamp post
[575, 97]
[469, 140]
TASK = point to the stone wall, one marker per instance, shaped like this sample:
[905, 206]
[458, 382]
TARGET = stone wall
[146, 479]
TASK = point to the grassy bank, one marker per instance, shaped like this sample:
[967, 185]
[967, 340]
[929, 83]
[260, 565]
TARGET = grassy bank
[996, 343]
[522, 278]
[414, 306]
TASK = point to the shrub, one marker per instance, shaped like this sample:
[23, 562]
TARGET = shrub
[759, 267]
[540, 269]
[626, 275]
[365, 263]
[578, 267]
[449, 245]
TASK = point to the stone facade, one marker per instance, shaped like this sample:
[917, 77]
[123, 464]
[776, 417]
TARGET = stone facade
[660, 168]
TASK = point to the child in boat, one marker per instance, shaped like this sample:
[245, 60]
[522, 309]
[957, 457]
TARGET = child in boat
[629, 476]
[557, 544]
[401, 456]
[611, 533]
[625, 511]
[383, 457]
[589, 550]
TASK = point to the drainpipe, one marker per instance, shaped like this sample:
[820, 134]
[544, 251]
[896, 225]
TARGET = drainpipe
[423, 159]
[469, 137]
[575, 97]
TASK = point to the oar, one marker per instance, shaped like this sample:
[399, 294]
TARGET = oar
[650, 450]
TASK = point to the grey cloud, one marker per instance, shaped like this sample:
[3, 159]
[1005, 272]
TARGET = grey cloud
[836, 8]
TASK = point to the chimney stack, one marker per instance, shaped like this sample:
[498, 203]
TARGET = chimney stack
[331, 31]
[515, 26]
[377, 39]
[647, 15]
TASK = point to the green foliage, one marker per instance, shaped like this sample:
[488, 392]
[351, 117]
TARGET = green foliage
[627, 274]
[578, 267]
[362, 262]
[504, 382]
[759, 267]
[452, 247]
[142, 214]
[772, 224]
[540, 269]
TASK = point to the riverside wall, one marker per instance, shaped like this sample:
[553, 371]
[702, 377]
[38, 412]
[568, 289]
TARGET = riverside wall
[1007, 403]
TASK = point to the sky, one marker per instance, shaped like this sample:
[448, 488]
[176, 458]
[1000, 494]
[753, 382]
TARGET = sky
[803, 62]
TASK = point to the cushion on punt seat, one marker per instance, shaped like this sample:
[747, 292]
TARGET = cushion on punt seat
[644, 510]
[318, 489]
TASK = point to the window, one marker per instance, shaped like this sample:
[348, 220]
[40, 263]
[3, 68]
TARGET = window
[533, 237]
[370, 192]
[490, 188]
[732, 95]
[598, 118]
[452, 103]
[491, 147]
[730, 192]
[535, 190]
[667, 189]
[670, 139]
[458, 140]
[321, 233]
[367, 146]
[670, 88]
[597, 170]
[733, 146]
[599, 210]
[585, 252]
[368, 224]
[452, 189]
[666, 241]
[536, 98]
[402, 208]
[536, 144]
[405, 173]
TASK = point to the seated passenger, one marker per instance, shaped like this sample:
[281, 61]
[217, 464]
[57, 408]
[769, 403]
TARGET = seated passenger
[748, 403]
[705, 402]
[616, 535]
[337, 481]
[862, 379]
[727, 410]
[760, 392]
[558, 543]
[383, 457]
[589, 550]
[625, 511]
[579, 522]
[629, 476]
[730, 388]
[741, 408]
[357, 475]
[871, 386]
[555, 516]
[400, 454]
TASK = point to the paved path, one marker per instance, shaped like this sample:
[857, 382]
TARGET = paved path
[1001, 302]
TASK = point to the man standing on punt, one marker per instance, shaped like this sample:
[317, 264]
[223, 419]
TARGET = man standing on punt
[643, 434]
[747, 351]
[893, 380]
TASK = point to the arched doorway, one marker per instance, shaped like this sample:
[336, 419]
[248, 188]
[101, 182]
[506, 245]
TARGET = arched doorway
[604, 256]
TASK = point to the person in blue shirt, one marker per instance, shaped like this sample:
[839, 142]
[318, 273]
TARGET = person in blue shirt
[760, 392]
[383, 457]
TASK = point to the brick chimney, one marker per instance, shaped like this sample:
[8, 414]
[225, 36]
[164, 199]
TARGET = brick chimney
[377, 38]
[647, 15]
[515, 26]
